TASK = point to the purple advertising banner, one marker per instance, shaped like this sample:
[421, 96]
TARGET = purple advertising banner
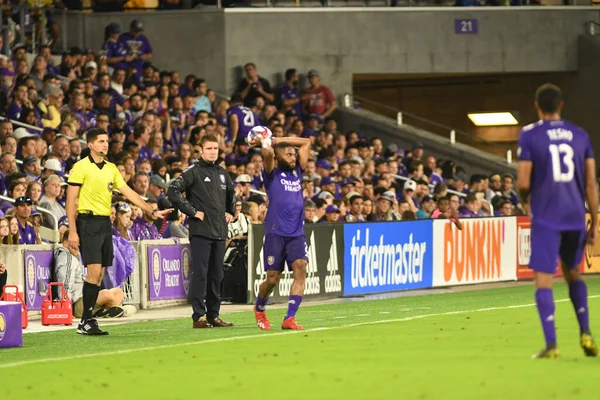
[466, 26]
[169, 271]
[37, 270]
[11, 328]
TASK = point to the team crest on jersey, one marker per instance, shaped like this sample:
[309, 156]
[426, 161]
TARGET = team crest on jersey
[110, 187]
[222, 178]
[271, 260]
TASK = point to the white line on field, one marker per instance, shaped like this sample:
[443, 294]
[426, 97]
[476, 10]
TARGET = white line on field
[340, 317]
[385, 312]
[362, 315]
[234, 338]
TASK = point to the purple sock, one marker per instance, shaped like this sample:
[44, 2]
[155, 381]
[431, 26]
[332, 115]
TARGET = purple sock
[261, 303]
[545, 306]
[293, 305]
[578, 295]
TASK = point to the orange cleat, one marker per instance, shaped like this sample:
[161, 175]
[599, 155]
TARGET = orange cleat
[291, 324]
[261, 320]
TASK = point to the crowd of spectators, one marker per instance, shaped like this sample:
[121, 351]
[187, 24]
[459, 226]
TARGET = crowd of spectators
[155, 119]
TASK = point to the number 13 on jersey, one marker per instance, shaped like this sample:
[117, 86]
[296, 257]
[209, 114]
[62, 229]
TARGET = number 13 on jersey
[562, 160]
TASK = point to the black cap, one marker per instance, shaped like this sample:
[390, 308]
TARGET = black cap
[23, 200]
[76, 51]
[30, 160]
[136, 26]
[113, 28]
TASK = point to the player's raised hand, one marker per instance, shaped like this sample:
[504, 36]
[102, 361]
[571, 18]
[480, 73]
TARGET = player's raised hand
[228, 218]
[256, 142]
[592, 235]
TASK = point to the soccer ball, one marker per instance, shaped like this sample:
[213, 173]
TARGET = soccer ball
[259, 132]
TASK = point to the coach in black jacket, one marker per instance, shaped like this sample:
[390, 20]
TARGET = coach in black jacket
[209, 203]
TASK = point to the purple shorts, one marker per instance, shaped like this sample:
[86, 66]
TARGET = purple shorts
[279, 250]
[548, 245]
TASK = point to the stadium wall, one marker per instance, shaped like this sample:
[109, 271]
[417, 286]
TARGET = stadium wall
[344, 260]
[340, 42]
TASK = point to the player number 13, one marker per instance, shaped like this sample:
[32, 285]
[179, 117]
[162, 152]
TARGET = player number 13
[562, 154]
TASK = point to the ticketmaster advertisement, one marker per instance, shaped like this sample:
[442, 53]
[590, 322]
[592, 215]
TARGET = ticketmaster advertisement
[387, 256]
[324, 273]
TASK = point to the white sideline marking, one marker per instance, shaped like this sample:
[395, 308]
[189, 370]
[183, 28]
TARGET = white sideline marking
[362, 315]
[234, 338]
[385, 312]
[340, 317]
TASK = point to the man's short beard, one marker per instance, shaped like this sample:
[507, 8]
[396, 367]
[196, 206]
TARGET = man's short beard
[282, 164]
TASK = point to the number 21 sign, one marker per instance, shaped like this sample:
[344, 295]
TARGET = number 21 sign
[466, 26]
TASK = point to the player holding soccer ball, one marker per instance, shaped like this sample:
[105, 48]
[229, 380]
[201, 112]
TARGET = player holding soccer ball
[284, 224]
[557, 168]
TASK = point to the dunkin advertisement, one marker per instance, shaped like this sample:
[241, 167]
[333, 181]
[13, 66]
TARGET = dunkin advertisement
[483, 251]
[169, 271]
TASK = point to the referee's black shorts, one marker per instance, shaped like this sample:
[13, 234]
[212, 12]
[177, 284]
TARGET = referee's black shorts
[95, 239]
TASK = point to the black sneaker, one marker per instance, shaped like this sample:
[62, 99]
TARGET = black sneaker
[112, 312]
[90, 328]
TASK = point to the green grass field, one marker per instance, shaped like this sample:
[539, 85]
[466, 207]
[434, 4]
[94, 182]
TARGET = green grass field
[463, 345]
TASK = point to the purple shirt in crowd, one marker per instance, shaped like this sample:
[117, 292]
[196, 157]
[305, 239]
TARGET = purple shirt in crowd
[137, 46]
[14, 111]
[557, 150]
[114, 50]
[247, 119]
[146, 154]
[288, 93]
[285, 216]
[26, 234]
[143, 230]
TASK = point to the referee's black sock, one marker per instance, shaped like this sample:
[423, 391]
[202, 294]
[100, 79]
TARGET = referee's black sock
[90, 295]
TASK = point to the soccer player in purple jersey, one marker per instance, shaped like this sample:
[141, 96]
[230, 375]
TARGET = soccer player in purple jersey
[284, 224]
[557, 174]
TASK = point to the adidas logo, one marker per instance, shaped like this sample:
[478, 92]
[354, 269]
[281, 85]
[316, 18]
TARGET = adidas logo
[292, 302]
[581, 310]
[550, 318]
[207, 179]
[283, 174]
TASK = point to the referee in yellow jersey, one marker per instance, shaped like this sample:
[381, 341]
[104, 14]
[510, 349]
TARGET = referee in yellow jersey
[89, 198]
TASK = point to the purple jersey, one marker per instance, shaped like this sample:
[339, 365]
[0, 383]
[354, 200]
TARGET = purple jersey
[289, 93]
[135, 46]
[558, 150]
[27, 234]
[145, 154]
[14, 111]
[285, 216]
[247, 119]
[113, 50]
